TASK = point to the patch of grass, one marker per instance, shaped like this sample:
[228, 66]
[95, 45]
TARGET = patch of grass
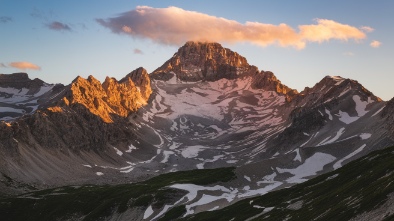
[360, 186]
[97, 202]
[174, 213]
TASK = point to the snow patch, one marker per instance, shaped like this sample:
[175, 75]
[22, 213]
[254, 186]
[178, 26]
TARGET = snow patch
[131, 147]
[192, 151]
[329, 114]
[120, 153]
[310, 167]
[268, 179]
[345, 118]
[365, 136]
[99, 173]
[148, 212]
[360, 105]
[166, 154]
[332, 140]
[378, 111]
[298, 156]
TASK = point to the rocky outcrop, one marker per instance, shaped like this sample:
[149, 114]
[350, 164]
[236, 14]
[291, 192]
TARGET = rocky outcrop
[267, 80]
[330, 89]
[111, 98]
[388, 115]
[19, 81]
[141, 79]
[197, 61]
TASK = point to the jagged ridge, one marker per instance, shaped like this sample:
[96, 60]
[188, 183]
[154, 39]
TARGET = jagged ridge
[112, 97]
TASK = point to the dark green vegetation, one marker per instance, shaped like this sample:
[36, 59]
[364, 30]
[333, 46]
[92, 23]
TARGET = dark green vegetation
[360, 187]
[98, 202]
[363, 185]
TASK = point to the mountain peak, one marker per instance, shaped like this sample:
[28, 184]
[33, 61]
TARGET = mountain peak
[111, 97]
[209, 61]
[19, 80]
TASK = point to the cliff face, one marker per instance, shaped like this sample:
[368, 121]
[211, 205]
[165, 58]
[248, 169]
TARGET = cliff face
[19, 81]
[388, 114]
[267, 80]
[112, 97]
[197, 61]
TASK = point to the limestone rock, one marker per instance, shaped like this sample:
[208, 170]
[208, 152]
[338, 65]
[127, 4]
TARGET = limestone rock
[141, 79]
[197, 61]
[19, 81]
[267, 80]
[112, 97]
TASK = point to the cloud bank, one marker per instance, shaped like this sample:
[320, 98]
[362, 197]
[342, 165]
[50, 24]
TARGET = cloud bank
[23, 65]
[175, 26]
[58, 26]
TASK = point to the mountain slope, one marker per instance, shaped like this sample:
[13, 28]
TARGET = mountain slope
[360, 190]
[364, 192]
[20, 95]
[79, 125]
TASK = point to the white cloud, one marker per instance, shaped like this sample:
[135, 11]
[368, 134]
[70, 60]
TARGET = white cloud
[375, 44]
[367, 29]
[175, 26]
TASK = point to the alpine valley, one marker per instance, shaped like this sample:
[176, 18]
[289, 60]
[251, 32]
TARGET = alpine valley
[206, 136]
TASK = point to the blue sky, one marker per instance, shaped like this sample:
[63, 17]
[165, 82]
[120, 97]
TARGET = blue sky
[64, 39]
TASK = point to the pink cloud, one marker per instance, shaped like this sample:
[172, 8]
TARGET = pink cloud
[24, 65]
[175, 26]
[58, 26]
[375, 44]
[326, 30]
[137, 51]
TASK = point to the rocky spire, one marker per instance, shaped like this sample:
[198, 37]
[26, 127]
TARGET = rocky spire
[112, 97]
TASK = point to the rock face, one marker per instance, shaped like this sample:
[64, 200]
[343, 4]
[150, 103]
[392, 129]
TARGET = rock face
[388, 115]
[197, 61]
[112, 97]
[71, 125]
[267, 80]
[141, 80]
[19, 81]
[316, 108]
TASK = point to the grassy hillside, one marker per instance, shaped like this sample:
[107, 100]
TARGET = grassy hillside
[361, 189]
[100, 202]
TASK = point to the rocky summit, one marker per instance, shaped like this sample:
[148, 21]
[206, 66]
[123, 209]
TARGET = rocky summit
[203, 131]
[197, 61]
